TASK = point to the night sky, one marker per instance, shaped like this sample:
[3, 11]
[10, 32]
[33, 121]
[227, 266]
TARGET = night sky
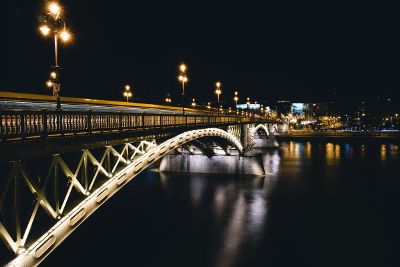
[265, 50]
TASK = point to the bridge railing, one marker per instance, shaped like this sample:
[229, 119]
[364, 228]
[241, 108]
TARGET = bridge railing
[23, 123]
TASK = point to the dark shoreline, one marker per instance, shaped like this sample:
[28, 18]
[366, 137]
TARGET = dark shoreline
[340, 137]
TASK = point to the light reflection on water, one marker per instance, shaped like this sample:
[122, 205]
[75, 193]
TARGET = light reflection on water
[315, 203]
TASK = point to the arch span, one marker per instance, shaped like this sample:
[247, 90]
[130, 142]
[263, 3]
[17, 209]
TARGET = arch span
[261, 127]
[45, 244]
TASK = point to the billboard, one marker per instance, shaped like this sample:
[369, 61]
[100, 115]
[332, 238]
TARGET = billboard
[298, 109]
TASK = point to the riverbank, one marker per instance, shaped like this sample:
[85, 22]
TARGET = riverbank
[310, 135]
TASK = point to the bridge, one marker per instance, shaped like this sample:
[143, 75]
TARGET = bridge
[59, 166]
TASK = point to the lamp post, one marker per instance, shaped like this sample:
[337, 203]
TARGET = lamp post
[127, 92]
[54, 25]
[218, 91]
[193, 103]
[236, 98]
[209, 105]
[183, 79]
[168, 99]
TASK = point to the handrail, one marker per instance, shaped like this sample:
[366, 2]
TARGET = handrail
[101, 102]
[34, 123]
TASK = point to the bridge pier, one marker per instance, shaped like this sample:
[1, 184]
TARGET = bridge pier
[218, 164]
[258, 136]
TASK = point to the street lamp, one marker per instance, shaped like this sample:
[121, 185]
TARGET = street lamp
[54, 25]
[168, 99]
[236, 98]
[183, 79]
[248, 103]
[127, 92]
[193, 102]
[209, 105]
[218, 91]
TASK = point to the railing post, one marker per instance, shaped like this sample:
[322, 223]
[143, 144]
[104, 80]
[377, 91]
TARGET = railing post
[44, 122]
[143, 120]
[89, 121]
[22, 125]
[59, 121]
[120, 121]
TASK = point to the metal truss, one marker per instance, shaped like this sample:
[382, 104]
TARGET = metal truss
[117, 168]
[45, 192]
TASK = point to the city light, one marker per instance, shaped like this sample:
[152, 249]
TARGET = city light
[236, 97]
[54, 25]
[45, 30]
[182, 67]
[127, 93]
[65, 35]
[54, 8]
[182, 77]
[218, 90]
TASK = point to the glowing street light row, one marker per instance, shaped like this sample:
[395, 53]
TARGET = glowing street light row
[54, 25]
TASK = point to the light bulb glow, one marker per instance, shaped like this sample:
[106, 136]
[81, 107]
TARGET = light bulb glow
[54, 8]
[45, 30]
[182, 67]
[65, 35]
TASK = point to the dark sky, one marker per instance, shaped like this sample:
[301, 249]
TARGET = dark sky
[264, 50]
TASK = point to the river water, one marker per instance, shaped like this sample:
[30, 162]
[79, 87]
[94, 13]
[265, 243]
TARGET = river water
[320, 204]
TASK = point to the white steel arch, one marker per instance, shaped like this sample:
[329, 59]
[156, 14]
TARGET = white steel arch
[38, 251]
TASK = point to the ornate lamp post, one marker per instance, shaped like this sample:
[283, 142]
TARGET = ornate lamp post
[218, 91]
[183, 79]
[236, 98]
[168, 99]
[127, 92]
[54, 25]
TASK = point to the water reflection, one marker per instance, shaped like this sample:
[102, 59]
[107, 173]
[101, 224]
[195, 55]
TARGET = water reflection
[383, 152]
[332, 152]
[280, 219]
[219, 201]
[308, 150]
[234, 234]
[362, 151]
[197, 186]
[271, 162]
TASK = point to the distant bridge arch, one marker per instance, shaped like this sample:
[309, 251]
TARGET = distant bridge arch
[261, 127]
